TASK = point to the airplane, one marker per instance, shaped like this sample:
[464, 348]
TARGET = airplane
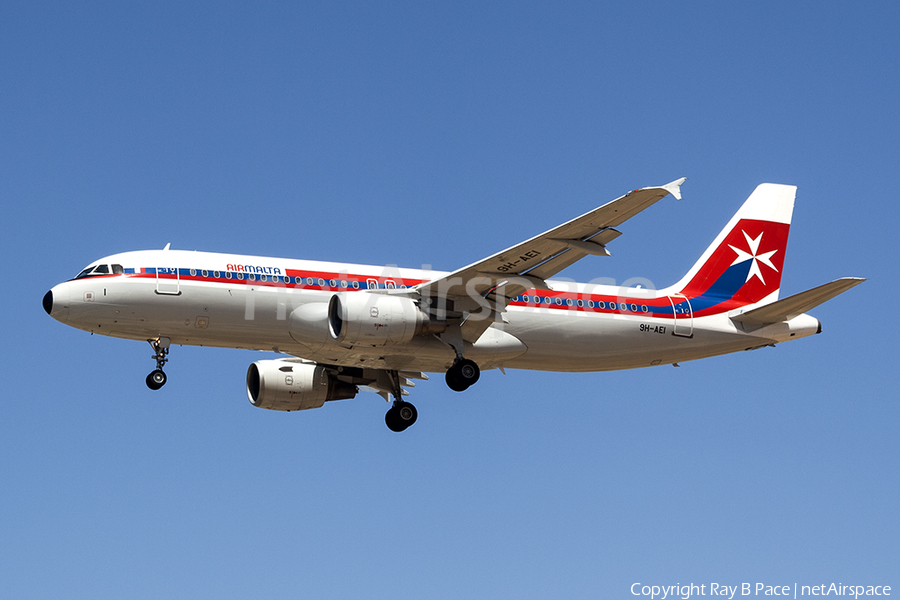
[342, 327]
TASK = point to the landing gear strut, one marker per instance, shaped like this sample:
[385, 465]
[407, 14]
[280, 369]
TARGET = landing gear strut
[402, 414]
[462, 374]
[157, 378]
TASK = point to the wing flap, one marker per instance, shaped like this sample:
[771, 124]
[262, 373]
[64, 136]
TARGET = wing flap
[793, 306]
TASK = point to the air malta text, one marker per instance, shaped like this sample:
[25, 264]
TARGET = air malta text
[253, 269]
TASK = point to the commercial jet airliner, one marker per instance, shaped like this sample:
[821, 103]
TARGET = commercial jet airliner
[343, 327]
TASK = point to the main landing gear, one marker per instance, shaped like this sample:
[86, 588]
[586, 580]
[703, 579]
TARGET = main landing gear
[462, 374]
[157, 378]
[402, 414]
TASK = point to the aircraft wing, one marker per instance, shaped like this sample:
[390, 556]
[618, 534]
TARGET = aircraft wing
[384, 382]
[528, 264]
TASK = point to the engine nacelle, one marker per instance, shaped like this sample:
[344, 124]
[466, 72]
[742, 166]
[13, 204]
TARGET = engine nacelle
[364, 319]
[291, 385]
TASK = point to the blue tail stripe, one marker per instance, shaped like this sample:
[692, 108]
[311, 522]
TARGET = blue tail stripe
[724, 288]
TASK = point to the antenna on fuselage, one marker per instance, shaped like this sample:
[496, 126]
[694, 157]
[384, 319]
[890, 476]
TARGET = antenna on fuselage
[167, 246]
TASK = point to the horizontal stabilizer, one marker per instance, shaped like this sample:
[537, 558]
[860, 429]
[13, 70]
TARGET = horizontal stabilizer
[793, 306]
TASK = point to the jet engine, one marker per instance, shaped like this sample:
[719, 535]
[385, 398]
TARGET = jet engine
[293, 385]
[364, 319]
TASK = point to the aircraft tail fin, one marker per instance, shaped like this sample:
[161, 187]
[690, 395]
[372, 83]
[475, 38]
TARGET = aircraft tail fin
[743, 265]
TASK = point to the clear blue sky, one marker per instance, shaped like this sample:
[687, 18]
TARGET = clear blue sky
[419, 133]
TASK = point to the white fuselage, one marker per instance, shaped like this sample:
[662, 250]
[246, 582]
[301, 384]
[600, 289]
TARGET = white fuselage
[230, 301]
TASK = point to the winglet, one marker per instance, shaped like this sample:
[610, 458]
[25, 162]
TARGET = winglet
[674, 188]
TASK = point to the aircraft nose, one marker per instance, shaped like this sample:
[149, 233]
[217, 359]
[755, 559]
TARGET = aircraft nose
[56, 302]
[48, 302]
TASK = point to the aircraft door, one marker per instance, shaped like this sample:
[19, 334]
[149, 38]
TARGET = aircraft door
[682, 316]
[168, 281]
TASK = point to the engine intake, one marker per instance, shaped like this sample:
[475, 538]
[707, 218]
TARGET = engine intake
[364, 319]
[289, 385]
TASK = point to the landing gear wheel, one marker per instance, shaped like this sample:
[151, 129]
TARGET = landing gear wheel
[400, 416]
[467, 371]
[392, 420]
[462, 374]
[407, 414]
[454, 383]
[156, 379]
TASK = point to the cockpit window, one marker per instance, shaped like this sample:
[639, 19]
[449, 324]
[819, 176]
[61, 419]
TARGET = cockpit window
[100, 270]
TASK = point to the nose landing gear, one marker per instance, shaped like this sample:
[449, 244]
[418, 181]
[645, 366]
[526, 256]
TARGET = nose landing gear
[157, 378]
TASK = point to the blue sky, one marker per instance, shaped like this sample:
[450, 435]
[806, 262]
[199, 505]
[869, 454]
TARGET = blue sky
[410, 134]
